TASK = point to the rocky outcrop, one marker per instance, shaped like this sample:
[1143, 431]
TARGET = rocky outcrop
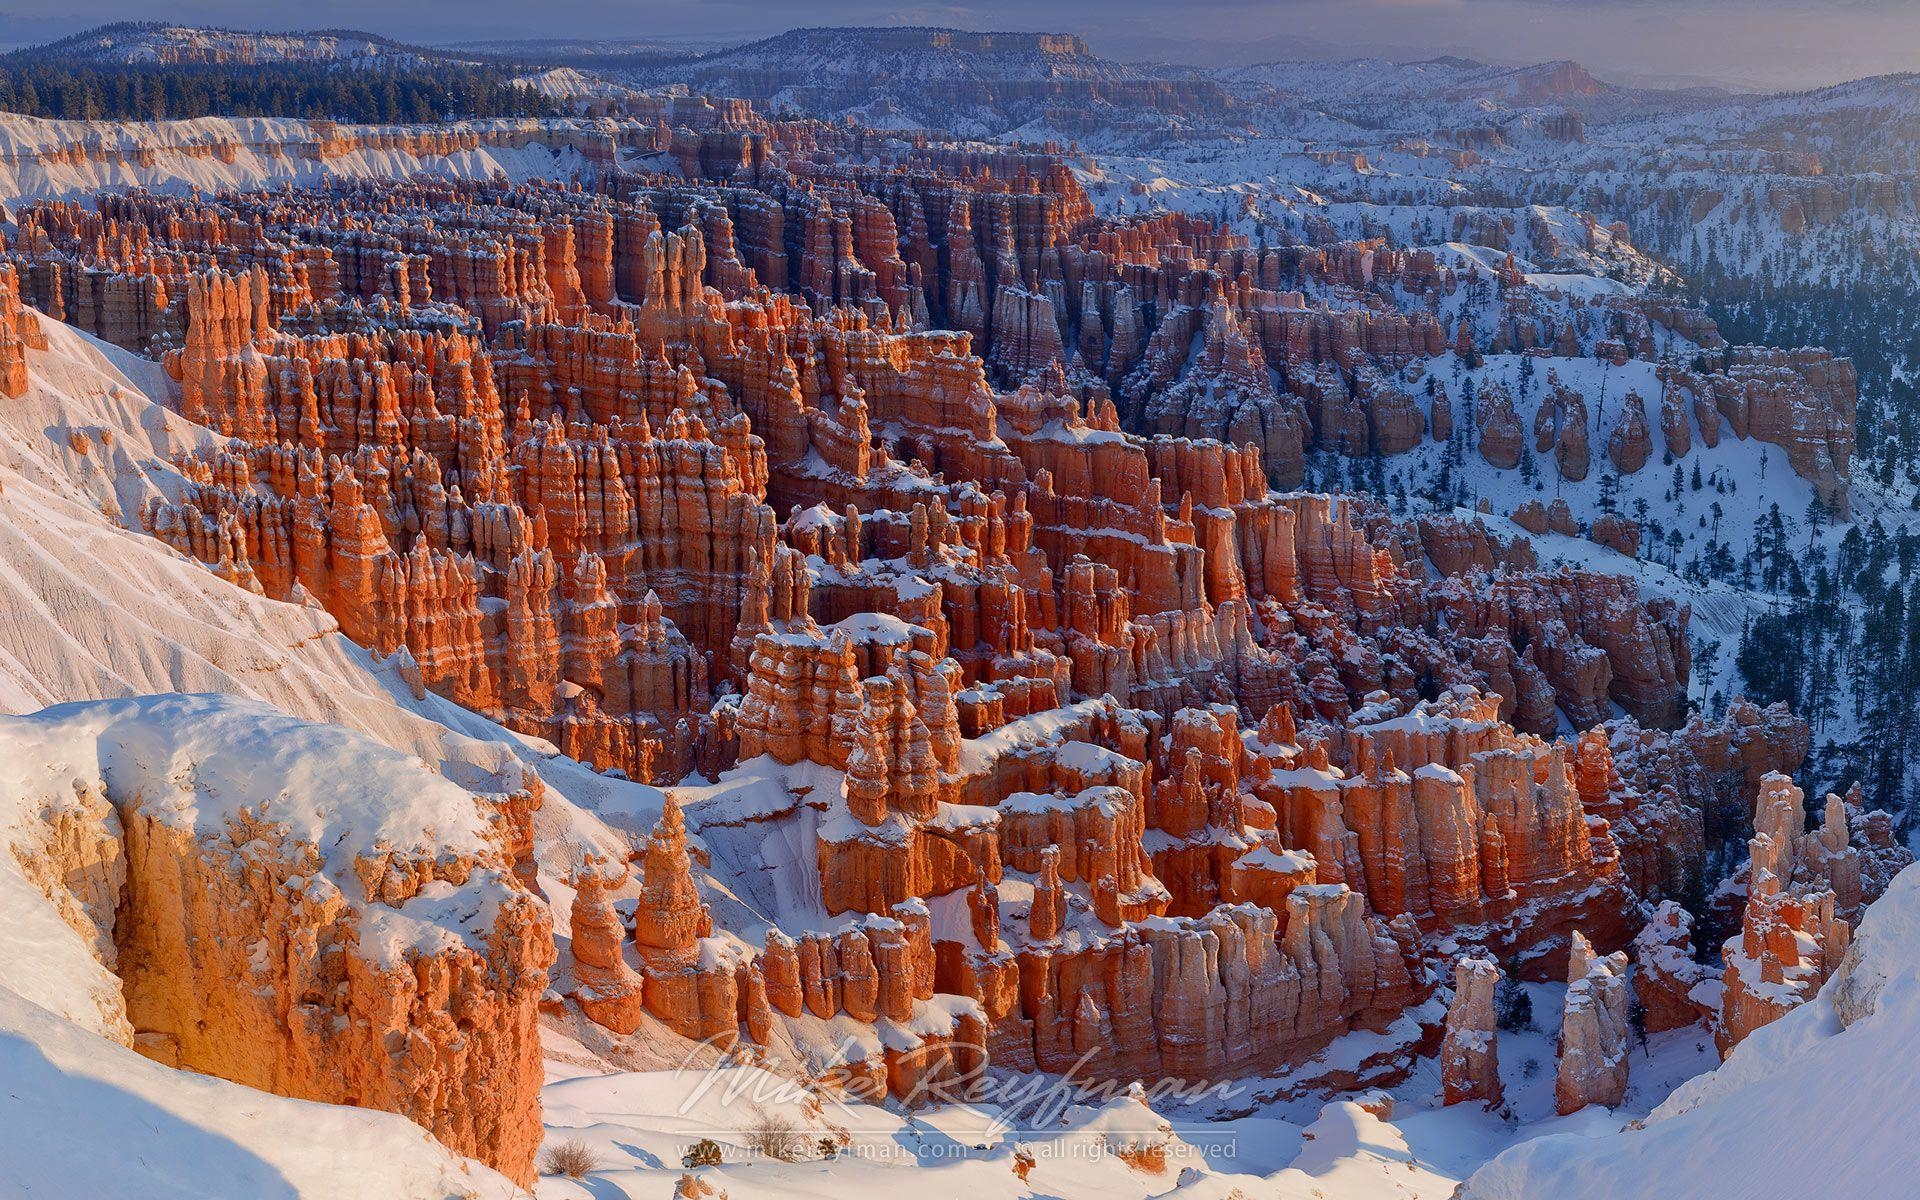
[1667, 980]
[1096, 745]
[1470, 1056]
[609, 991]
[1803, 889]
[1594, 1034]
[1500, 429]
[299, 909]
[1803, 401]
[1630, 444]
[1617, 533]
[19, 332]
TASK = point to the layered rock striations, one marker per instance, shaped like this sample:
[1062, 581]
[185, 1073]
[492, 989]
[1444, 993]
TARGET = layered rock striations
[296, 908]
[1805, 890]
[1595, 1034]
[929, 517]
[1470, 1056]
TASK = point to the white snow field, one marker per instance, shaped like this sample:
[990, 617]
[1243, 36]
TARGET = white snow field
[1816, 1104]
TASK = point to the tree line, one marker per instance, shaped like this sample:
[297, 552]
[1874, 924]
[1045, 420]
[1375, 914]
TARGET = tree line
[310, 91]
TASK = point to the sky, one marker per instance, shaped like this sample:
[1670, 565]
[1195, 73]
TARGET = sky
[1758, 44]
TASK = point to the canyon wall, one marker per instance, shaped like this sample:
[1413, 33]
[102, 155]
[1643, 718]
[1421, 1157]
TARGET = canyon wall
[293, 907]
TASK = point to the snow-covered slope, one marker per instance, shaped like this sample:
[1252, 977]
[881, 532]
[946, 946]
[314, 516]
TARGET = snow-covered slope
[92, 608]
[39, 160]
[85, 1116]
[1817, 1104]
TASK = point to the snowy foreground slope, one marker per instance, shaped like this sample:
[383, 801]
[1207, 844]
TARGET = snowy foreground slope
[1819, 1103]
[85, 1116]
[91, 609]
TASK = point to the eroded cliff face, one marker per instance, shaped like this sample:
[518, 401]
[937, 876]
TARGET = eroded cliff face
[565, 509]
[1095, 887]
[1470, 1055]
[930, 517]
[290, 906]
[1595, 1035]
[1805, 892]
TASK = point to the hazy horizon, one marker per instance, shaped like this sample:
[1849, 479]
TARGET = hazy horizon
[1760, 44]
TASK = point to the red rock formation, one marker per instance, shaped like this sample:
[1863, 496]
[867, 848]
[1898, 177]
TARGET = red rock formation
[19, 332]
[1617, 533]
[1666, 979]
[359, 939]
[1803, 401]
[1500, 430]
[1630, 444]
[668, 922]
[1792, 935]
[1594, 1035]
[1185, 772]
[1470, 1057]
[609, 991]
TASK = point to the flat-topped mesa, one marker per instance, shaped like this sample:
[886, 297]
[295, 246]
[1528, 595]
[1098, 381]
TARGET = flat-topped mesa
[1595, 1035]
[1469, 1055]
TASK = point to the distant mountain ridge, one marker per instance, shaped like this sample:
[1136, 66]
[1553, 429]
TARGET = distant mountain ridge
[166, 44]
[971, 83]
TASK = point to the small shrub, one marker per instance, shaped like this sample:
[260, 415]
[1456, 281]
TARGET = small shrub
[572, 1158]
[773, 1136]
[703, 1153]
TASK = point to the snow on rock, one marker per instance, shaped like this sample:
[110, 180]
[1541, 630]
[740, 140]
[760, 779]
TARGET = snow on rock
[87, 1117]
[44, 159]
[70, 550]
[1742, 1130]
[285, 904]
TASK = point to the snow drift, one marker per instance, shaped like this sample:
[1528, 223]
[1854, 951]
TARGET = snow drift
[1814, 1104]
